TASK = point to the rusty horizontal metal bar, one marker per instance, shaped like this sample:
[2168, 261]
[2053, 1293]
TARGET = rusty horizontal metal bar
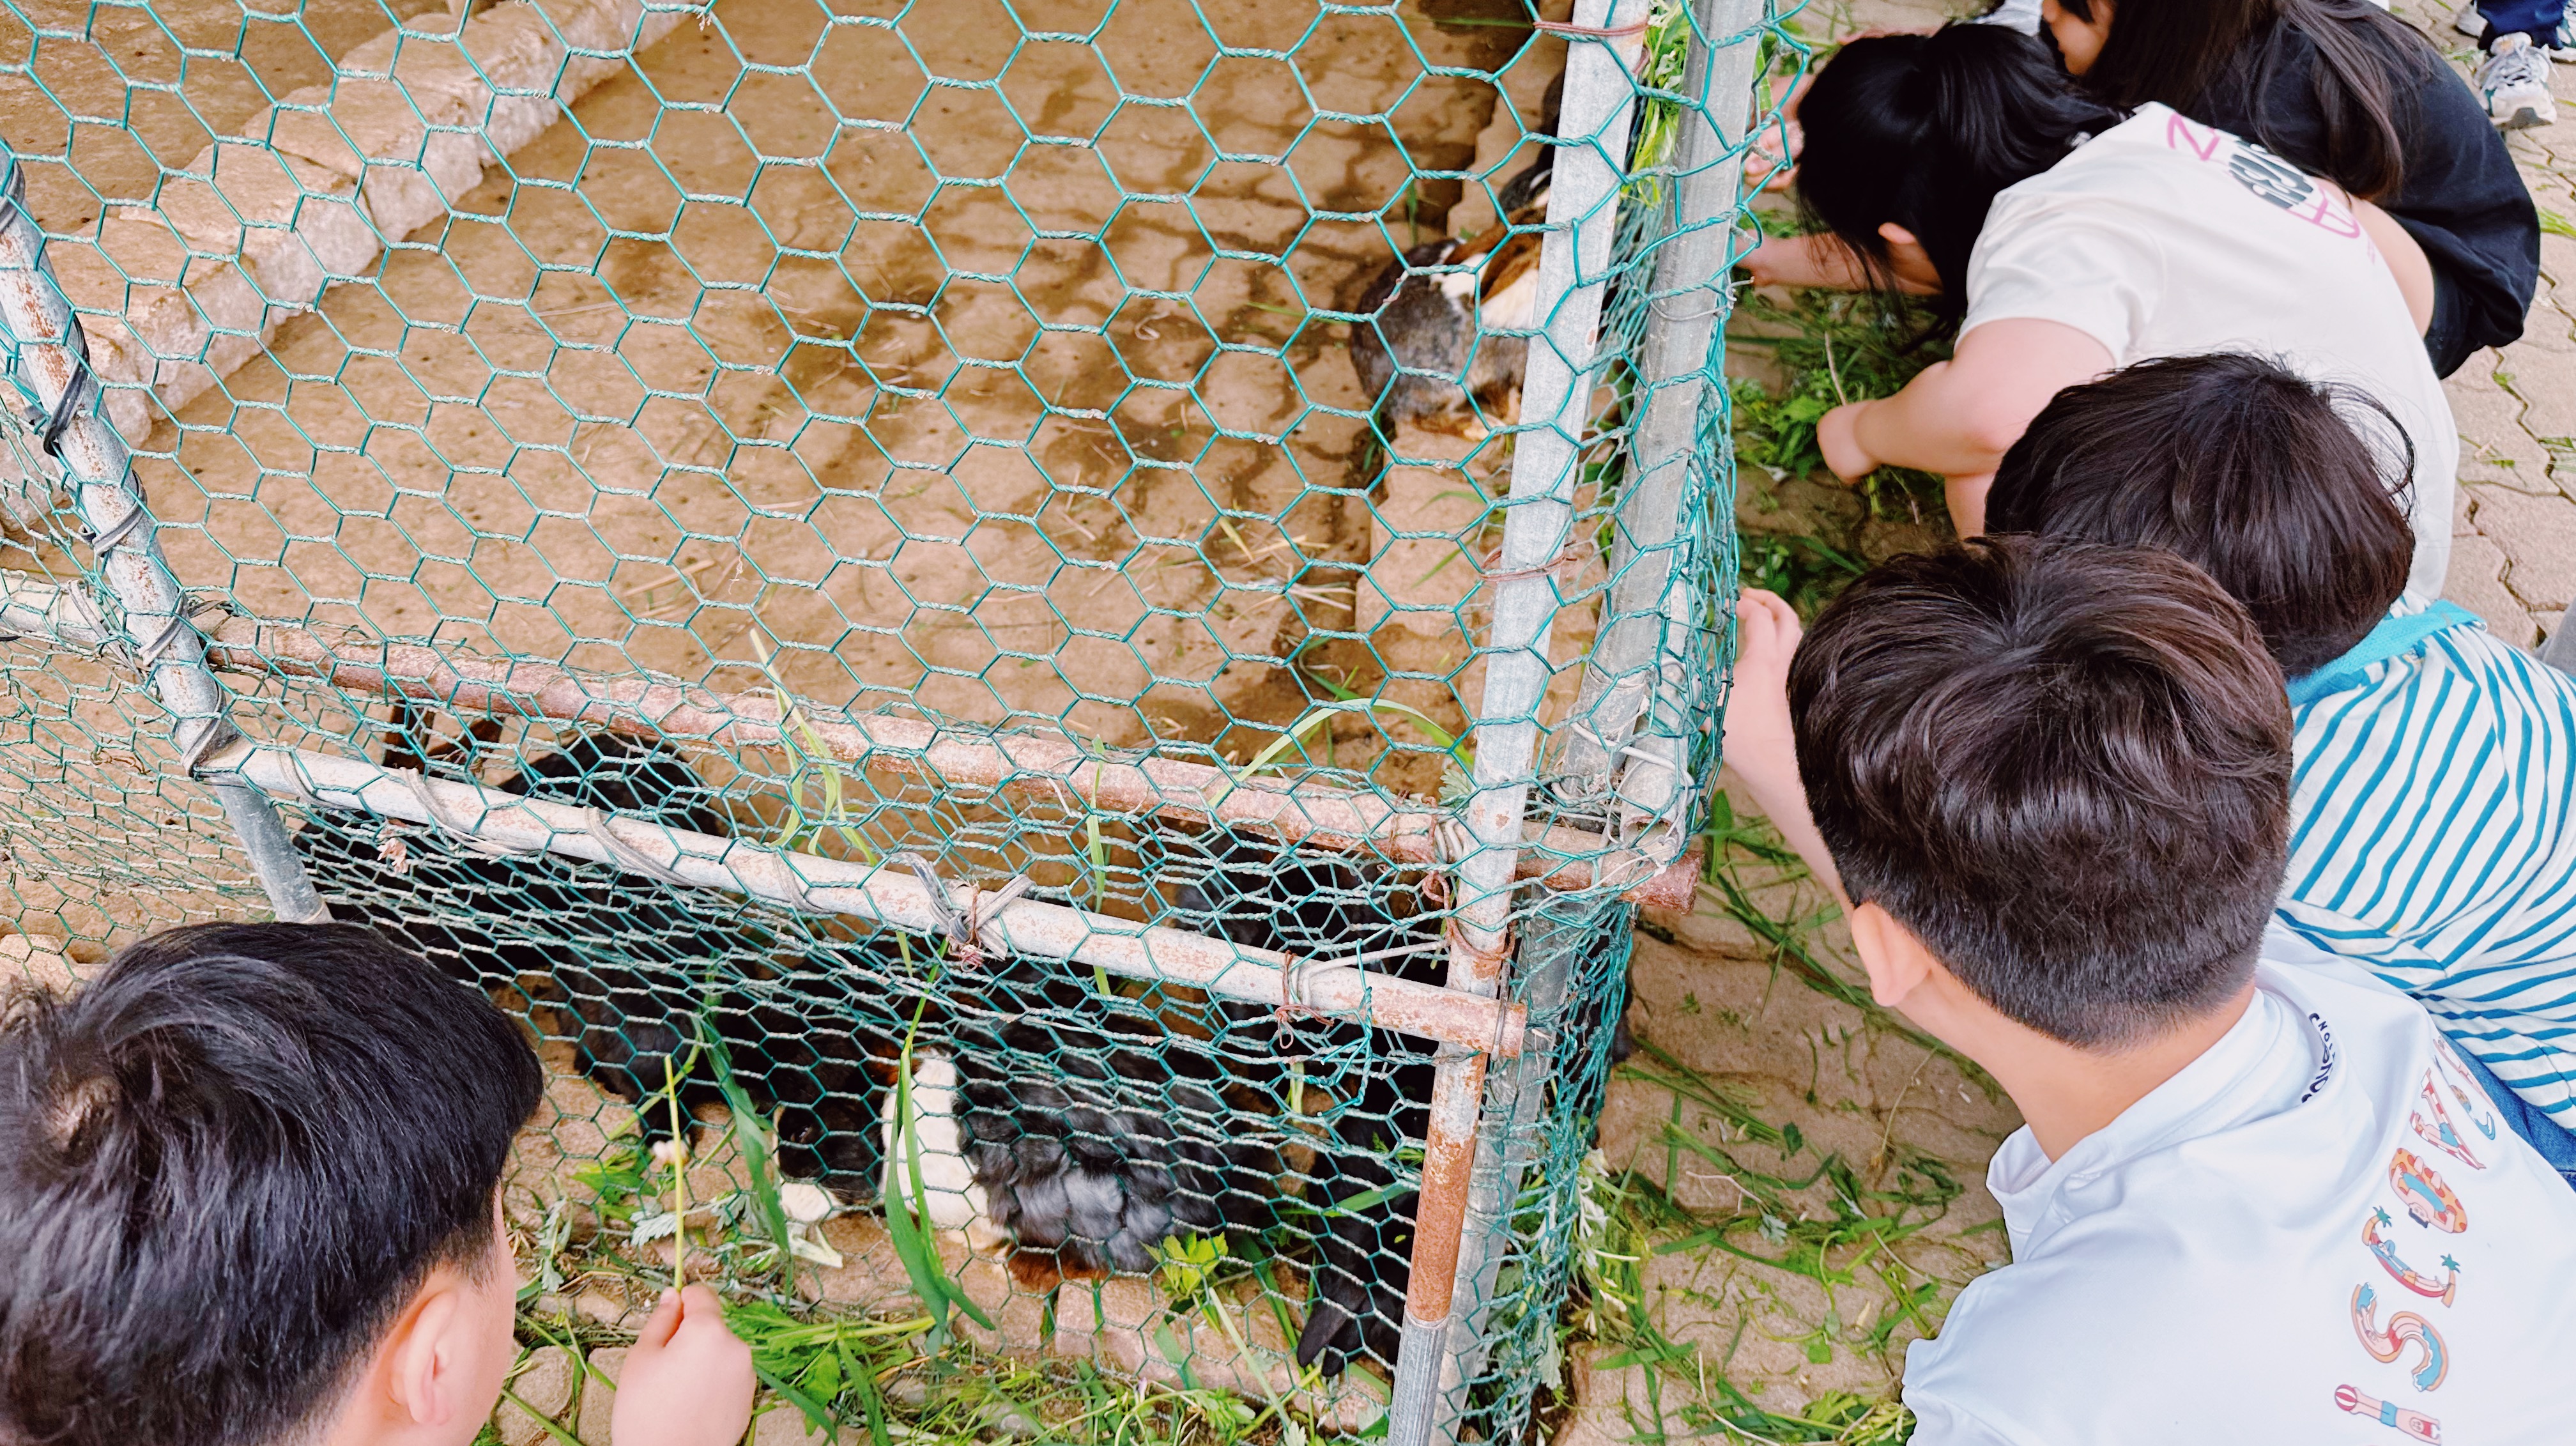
[1025, 762]
[888, 893]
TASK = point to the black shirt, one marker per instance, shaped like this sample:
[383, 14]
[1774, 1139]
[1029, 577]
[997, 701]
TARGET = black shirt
[2461, 198]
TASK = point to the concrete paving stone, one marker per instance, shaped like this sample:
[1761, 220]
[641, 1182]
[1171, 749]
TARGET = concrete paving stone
[599, 1401]
[2545, 379]
[547, 1385]
[2494, 447]
[2477, 583]
[2538, 538]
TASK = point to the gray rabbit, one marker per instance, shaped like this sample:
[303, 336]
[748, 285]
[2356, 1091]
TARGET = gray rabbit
[1433, 346]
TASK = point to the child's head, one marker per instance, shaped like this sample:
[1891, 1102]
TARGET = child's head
[2186, 53]
[2063, 768]
[1919, 132]
[237, 1170]
[2252, 473]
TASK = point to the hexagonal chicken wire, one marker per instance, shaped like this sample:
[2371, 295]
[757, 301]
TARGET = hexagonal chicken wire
[1084, 616]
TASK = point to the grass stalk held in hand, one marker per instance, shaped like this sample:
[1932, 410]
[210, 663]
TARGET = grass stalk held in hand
[679, 1177]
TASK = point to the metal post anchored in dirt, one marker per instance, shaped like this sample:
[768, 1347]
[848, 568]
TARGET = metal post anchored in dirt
[1638, 678]
[62, 405]
[1450, 1244]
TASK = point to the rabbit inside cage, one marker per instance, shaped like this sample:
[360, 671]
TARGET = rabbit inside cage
[1059, 1123]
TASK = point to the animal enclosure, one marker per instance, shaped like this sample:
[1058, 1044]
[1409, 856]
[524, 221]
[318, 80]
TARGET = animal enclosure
[1060, 632]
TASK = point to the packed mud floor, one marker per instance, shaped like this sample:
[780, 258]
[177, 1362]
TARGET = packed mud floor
[959, 364]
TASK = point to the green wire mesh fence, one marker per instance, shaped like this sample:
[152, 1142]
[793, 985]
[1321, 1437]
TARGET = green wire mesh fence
[1046, 643]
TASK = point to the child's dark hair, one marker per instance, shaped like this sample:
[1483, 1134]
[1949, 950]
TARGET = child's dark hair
[2244, 468]
[2065, 767]
[225, 1165]
[2187, 52]
[1923, 130]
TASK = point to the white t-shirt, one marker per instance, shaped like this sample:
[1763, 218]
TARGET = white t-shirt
[2317, 1231]
[2162, 237]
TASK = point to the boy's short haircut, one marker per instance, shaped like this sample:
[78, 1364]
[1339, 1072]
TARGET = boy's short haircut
[2250, 471]
[2065, 767]
[225, 1166]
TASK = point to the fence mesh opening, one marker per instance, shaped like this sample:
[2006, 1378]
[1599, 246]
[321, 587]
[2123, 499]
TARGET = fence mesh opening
[1039, 627]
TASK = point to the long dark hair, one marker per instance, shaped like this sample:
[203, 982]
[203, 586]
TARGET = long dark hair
[1923, 130]
[2217, 59]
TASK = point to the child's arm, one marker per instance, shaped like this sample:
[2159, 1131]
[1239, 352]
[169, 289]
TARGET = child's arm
[688, 1382]
[1958, 417]
[1759, 744]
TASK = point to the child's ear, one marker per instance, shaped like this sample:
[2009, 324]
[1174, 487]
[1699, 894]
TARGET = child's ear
[421, 1360]
[1896, 961]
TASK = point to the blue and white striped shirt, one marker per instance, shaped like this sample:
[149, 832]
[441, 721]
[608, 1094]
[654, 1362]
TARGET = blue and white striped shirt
[2433, 841]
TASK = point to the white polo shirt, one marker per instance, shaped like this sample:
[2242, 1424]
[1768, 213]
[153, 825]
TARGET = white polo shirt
[2317, 1231]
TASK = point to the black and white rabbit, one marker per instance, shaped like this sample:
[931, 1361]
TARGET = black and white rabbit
[636, 966]
[1433, 346]
[1090, 1129]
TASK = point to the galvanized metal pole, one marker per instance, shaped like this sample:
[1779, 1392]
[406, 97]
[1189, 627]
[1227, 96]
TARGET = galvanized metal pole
[1628, 733]
[1651, 611]
[151, 617]
[1574, 259]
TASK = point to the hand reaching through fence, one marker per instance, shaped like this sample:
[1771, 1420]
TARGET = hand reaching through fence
[1759, 743]
[688, 1381]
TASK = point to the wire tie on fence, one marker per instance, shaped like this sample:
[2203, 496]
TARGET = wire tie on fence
[1295, 977]
[1486, 961]
[76, 398]
[630, 858]
[449, 823]
[148, 655]
[1591, 32]
[982, 909]
[1565, 557]
[950, 921]
[800, 895]
[112, 536]
[966, 929]
[215, 733]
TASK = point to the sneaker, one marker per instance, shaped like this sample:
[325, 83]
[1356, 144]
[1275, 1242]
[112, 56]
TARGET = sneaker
[2515, 81]
[2562, 45]
[2469, 22]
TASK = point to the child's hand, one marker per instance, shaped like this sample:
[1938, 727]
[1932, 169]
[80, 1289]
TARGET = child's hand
[1758, 734]
[1761, 743]
[688, 1382]
[1838, 438]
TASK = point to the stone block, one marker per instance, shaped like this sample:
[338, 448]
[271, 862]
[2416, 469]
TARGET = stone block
[2477, 583]
[2545, 379]
[2494, 448]
[547, 1385]
[598, 1398]
[2538, 538]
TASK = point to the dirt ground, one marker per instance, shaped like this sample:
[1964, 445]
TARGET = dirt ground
[972, 372]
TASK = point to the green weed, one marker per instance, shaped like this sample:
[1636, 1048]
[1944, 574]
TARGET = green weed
[1834, 348]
